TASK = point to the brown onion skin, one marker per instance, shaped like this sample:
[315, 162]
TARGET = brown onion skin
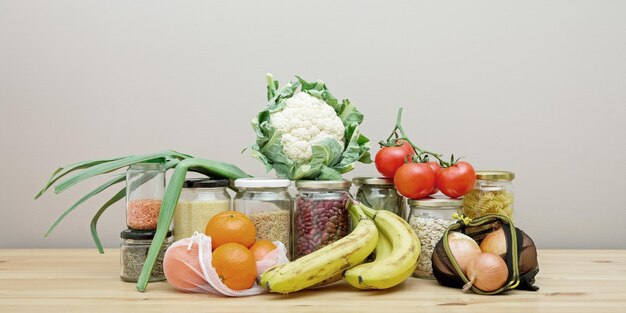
[494, 243]
[463, 249]
[487, 272]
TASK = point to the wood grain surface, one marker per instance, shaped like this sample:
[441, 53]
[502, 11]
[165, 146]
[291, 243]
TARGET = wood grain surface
[82, 281]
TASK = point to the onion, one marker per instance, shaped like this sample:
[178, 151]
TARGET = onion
[494, 243]
[487, 272]
[463, 248]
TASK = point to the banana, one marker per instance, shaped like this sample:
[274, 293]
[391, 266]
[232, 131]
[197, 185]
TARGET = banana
[398, 265]
[383, 249]
[327, 262]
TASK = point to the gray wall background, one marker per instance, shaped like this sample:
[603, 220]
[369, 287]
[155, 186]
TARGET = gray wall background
[536, 87]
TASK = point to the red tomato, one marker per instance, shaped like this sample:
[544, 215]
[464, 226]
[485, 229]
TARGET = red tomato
[414, 180]
[406, 145]
[389, 159]
[456, 180]
[436, 168]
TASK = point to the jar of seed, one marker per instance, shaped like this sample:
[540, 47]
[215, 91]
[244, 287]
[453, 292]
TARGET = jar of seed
[492, 194]
[267, 203]
[379, 193]
[200, 200]
[133, 253]
[145, 185]
[430, 217]
[321, 216]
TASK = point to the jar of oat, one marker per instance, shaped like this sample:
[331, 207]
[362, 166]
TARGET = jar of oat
[320, 216]
[379, 193]
[200, 200]
[430, 217]
[266, 201]
[145, 185]
[492, 194]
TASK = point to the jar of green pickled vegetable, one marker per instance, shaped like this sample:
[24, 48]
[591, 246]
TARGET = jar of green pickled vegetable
[379, 193]
[492, 194]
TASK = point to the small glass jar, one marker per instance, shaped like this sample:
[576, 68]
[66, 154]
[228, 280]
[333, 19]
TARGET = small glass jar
[430, 217]
[133, 253]
[492, 194]
[267, 203]
[379, 193]
[145, 185]
[320, 216]
[200, 200]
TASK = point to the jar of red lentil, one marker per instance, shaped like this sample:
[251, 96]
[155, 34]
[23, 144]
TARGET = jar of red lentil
[145, 185]
[321, 216]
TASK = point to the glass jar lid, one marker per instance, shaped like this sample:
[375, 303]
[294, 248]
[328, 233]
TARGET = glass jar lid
[378, 181]
[262, 183]
[205, 183]
[323, 184]
[432, 202]
[495, 175]
[140, 234]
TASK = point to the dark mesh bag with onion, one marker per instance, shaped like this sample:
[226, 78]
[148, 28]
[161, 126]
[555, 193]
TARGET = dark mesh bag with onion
[513, 245]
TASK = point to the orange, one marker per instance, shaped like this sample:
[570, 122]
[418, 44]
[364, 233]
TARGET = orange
[235, 266]
[182, 268]
[231, 227]
[261, 248]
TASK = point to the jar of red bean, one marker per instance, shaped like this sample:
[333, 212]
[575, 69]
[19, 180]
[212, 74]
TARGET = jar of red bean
[145, 185]
[320, 216]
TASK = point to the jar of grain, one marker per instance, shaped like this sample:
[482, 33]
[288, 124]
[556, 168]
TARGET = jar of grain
[133, 253]
[379, 193]
[267, 203]
[145, 185]
[320, 216]
[200, 200]
[430, 217]
[492, 194]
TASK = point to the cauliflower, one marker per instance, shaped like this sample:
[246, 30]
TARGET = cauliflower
[308, 134]
[305, 121]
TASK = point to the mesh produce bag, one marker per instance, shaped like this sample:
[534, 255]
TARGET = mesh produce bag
[187, 267]
[520, 257]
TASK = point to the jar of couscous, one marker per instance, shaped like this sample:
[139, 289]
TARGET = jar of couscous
[200, 200]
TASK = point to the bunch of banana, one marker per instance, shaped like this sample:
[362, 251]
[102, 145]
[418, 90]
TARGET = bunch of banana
[397, 252]
[327, 262]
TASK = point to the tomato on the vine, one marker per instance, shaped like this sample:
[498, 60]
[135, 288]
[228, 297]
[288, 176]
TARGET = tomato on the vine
[456, 180]
[414, 180]
[389, 159]
[436, 169]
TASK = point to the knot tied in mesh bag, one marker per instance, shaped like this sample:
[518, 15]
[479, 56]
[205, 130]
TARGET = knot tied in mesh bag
[506, 258]
[188, 267]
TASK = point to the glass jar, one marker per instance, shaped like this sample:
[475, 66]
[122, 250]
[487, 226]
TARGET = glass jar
[133, 253]
[320, 216]
[145, 185]
[492, 194]
[379, 193]
[430, 217]
[200, 200]
[267, 203]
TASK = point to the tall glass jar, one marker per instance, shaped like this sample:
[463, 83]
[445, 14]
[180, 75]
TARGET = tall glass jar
[430, 217]
[321, 216]
[493, 194]
[267, 203]
[145, 185]
[133, 253]
[200, 200]
[379, 193]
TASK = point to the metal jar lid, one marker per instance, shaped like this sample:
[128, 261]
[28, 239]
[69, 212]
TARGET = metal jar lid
[379, 181]
[262, 183]
[140, 234]
[323, 184]
[432, 202]
[205, 183]
[495, 175]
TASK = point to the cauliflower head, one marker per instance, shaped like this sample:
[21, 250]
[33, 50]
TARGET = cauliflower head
[304, 121]
[308, 133]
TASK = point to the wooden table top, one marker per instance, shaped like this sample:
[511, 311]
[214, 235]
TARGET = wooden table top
[81, 280]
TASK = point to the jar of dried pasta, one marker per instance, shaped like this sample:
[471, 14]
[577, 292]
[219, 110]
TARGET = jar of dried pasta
[266, 201]
[493, 194]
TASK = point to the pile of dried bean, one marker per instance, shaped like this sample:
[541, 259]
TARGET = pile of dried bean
[319, 222]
